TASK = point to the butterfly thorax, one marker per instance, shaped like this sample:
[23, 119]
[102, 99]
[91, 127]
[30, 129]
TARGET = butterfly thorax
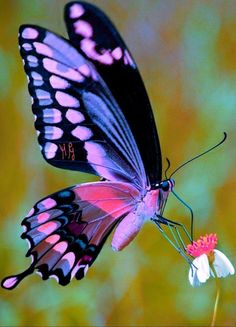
[154, 199]
[148, 206]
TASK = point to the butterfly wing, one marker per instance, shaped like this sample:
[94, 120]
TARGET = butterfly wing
[80, 125]
[97, 39]
[67, 230]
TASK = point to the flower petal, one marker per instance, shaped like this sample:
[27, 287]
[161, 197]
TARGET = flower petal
[199, 271]
[203, 272]
[222, 265]
[192, 276]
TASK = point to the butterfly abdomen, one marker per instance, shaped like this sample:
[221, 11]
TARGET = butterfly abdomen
[129, 227]
[126, 231]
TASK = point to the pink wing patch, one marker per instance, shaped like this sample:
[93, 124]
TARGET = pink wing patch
[76, 10]
[67, 230]
[85, 28]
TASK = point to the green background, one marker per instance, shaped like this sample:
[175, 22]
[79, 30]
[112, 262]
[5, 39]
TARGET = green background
[186, 52]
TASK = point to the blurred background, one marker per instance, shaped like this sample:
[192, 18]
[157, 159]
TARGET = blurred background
[186, 52]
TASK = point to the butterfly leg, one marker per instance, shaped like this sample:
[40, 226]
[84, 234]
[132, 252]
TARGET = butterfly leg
[175, 234]
[190, 210]
[164, 220]
[178, 241]
[175, 244]
[175, 225]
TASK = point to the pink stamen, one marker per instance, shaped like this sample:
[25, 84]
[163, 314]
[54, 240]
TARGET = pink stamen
[204, 245]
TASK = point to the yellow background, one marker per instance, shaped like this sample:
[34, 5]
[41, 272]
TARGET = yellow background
[186, 52]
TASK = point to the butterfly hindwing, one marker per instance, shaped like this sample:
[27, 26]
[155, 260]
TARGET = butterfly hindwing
[67, 230]
[95, 36]
[80, 126]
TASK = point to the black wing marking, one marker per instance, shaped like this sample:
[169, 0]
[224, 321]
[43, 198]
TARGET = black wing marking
[94, 35]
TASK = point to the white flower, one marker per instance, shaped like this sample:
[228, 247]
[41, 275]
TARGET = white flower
[200, 270]
[208, 261]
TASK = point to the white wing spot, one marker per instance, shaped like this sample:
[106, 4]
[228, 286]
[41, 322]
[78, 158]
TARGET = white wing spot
[27, 46]
[66, 100]
[76, 10]
[38, 79]
[50, 150]
[43, 97]
[30, 33]
[46, 203]
[74, 116]
[83, 133]
[83, 28]
[53, 132]
[58, 83]
[117, 53]
[33, 61]
[30, 213]
[54, 277]
[51, 116]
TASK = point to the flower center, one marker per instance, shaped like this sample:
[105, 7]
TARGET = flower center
[204, 245]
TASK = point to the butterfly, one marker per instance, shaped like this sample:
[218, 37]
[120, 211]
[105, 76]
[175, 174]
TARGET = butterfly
[92, 114]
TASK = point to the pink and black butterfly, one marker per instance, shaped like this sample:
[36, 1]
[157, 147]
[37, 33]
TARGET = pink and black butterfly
[92, 114]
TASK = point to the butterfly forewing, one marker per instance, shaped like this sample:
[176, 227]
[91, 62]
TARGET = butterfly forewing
[94, 35]
[79, 123]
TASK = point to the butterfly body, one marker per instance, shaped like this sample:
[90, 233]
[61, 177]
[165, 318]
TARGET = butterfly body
[92, 114]
[129, 227]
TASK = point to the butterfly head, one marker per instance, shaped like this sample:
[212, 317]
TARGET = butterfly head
[166, 185]
[162, 190]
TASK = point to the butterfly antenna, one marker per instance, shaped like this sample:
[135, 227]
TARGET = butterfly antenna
[191, 213]
[168, 166]
[200, 155]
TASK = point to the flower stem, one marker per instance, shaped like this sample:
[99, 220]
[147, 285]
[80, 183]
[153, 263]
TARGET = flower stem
[217, 299]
